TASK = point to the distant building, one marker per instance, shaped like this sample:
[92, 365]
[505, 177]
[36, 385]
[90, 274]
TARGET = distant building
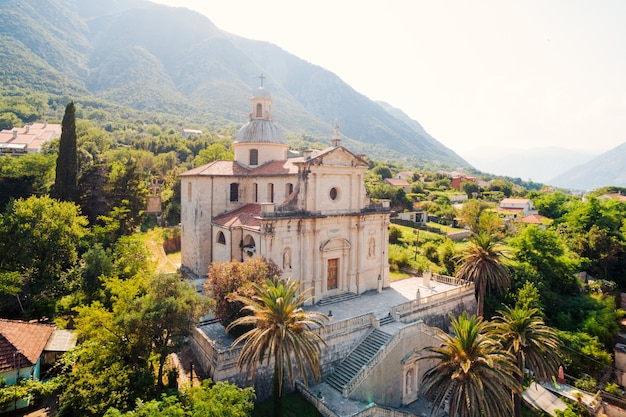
[513, 208]
[400, 183]
[28, 139]
[536, 219]
[414, 216]
[614, 196]
[24, 347]
[191, 133]
[460, 179]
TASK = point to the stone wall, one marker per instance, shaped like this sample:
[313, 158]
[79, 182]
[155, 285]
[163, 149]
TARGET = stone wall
[384, 381]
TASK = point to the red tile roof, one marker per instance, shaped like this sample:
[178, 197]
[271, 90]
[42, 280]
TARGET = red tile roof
[535, 219]
[247, 215]
[232, 168]
[30, 137]
[396, 182]
[22, 343]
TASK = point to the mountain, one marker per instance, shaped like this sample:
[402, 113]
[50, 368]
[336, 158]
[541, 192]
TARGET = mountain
[176, 62]
[606, 169]
[537, 164]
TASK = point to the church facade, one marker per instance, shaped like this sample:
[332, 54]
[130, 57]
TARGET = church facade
[308, 212]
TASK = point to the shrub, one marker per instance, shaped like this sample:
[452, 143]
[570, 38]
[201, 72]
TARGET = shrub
[230, 279]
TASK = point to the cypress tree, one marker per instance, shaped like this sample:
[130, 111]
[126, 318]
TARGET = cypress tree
[65, 182]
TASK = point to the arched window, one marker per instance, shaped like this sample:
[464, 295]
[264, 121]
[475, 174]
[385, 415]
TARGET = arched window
[259, 110]
[221, 239]
[234, 191]
[288, 189]
[255, 192]
[254, 157]
[270, 192]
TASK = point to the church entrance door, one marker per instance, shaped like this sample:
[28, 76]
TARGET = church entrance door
[331, 282]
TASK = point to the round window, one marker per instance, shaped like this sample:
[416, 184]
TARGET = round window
[333, 193]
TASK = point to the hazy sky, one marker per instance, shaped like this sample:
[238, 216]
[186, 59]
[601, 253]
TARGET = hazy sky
[488, 73]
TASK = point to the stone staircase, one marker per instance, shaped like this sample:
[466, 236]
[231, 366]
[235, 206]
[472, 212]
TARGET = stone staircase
[386, 320]
[356, 361]
[339, 298]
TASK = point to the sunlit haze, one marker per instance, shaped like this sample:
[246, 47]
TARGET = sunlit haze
[474, 74]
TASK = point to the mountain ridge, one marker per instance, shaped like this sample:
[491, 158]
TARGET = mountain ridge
[175, 61]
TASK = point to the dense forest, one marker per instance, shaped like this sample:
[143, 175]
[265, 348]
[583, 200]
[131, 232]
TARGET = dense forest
[77, 258]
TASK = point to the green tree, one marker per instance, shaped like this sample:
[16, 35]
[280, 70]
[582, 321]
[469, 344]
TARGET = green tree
[470, 213]
[283, 333]
[472, 372]
[66, 180]
[40, 239]
[9, 120]
[470, 189]
[547, 258]
[30, 174]
[127, 191]
[482, 264]
[213, 152]
[535, 346]
[210, 400]
[167, 312]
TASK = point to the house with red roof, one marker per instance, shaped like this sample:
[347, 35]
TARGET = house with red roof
[21, 347]
[28, 139]
[457, 180]
[399, 183]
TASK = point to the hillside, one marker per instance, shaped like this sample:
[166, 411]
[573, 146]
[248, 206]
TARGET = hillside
[176, 62]
[606, 169]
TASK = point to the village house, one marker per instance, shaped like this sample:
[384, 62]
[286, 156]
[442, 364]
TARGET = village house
[28, 139]
[25, 348]
[458, 180]
[515, 208]
[398, 183]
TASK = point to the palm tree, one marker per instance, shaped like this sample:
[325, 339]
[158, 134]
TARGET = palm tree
[472, 372]
[523, 333]
[482, 265]
[282, 331]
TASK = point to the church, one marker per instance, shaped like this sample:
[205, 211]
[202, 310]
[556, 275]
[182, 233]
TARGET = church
[306, 211]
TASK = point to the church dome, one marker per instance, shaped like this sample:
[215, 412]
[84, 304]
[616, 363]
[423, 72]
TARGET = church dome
[260, 131]
[261, 127]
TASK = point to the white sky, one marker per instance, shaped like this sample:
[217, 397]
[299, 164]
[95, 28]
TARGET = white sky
[488, 73]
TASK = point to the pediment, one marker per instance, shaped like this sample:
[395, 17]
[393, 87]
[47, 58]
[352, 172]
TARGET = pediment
[335, 243]
[338, 156]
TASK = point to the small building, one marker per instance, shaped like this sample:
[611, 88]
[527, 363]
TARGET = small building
[458, 180]
[515, 208]
[414, 216]
[28, 139]
[191, 133]
[536, 219]
[22, 345]
[400, 183]
[614, 196]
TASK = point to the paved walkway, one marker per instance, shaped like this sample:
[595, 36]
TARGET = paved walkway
[379, 304]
